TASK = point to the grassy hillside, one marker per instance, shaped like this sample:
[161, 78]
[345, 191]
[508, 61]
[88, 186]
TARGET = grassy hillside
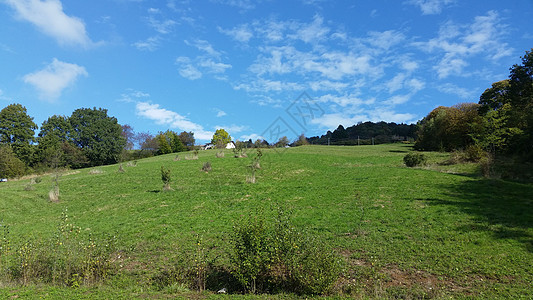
[426, 232]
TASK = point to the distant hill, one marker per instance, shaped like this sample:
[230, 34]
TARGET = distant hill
[363, 133]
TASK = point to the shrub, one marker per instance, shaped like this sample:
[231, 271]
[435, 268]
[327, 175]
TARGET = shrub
[220, 154]
[251, 255]
[474, 153]
[277, 256]
[485, 164]
[10, 165]
[166, 178]
[414, 159]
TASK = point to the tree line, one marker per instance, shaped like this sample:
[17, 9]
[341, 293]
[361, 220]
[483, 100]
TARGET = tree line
[501, 123]
[88, 137]
[367, 133]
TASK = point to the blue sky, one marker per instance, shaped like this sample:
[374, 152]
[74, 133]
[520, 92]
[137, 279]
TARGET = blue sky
[256, 68]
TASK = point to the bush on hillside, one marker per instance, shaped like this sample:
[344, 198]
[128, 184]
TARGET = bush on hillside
[271, 257]
[10, 165]
[414, 159]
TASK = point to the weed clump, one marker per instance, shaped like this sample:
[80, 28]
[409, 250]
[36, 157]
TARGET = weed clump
[219, 154]
[206, 167]
[414, 159]
[66, 259]
[53, 195]
[254, 166]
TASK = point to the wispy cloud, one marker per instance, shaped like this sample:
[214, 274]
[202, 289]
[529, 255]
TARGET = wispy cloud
[241, 4]
[187, 69]
[204, 46]
[220, 113]
[458, 43]
[241, 33]
[48, 16]
[150, 44]
[54, 78]
[453, 89]
[3, 97]
[160, 25]
[163, 116]
[208, 62]
[431, 7]
[310, 32]
[232, 129]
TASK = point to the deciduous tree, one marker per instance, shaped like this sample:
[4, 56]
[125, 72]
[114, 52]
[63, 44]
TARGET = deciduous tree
[221, 138]
[98, 135]
[18, 129]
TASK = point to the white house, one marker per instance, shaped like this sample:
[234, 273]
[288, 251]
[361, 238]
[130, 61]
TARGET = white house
[230, 145]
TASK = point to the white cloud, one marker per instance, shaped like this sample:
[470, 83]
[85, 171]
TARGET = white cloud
[461, 43]
[381, 114]
[450, 65]
[207, 63]
[267, 85]
[150, 44]
[264, 100]
[2, 97]
[186, 69]
[48, 16]
[252, 137]
[161, 26]
[431, 7]
[242, 4]
[312, 32]
[53, 79]
[162, 116]
[458, 91]
[272, 31]
[221, 113]
[415, 85]
[385, 39]
[240, 33]
[398, 99]
[232, 129]
[333, 120]
[396, 83]
[204, 46]
[213, 67]
[345, 100]
[190, 72]
[327, 85]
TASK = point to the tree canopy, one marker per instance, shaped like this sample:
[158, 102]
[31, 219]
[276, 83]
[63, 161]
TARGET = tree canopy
[97, 135]
[220, 138]
[16, 126]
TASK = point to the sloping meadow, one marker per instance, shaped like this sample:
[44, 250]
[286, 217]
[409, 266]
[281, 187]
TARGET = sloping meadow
[353, 221]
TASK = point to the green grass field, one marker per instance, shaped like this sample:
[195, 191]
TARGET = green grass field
[430, 232]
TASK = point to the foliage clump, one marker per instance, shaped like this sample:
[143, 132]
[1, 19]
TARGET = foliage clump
[414, 159]
[276, 256]
[220, 138]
